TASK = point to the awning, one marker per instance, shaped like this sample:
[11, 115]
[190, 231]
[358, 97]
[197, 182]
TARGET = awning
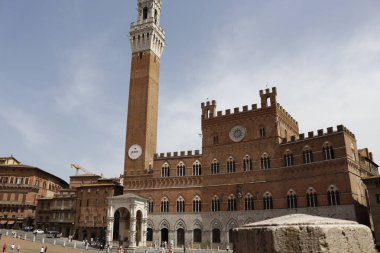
[11, 222]
[3, 222]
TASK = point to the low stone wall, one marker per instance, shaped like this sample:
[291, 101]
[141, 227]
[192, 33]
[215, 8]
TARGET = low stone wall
[303, 233]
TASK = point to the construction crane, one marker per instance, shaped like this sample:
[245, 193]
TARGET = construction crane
[78, 167]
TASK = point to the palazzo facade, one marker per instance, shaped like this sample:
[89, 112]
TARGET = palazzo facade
[254, 163]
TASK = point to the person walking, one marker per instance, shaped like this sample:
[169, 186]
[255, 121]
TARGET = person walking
[18, 248]
[45, 250]
[4, 246]
[12, 247]
[42, 250]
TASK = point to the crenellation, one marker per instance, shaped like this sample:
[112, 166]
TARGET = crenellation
[245, 108]
[254, 107]
[228, 112]
[320, 132]
[236, 109]
[219, 113]
[177, 154]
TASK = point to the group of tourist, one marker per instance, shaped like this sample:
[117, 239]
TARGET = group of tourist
[12, 247]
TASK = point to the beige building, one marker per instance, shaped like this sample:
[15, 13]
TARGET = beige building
[254, 163]
[20, 187]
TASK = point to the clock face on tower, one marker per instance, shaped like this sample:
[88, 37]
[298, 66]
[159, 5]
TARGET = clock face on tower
[237, 133]
[135, 151]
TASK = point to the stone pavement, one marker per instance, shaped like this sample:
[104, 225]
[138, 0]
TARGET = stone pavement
[28, 246]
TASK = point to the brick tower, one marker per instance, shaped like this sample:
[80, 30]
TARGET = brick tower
[147, 42]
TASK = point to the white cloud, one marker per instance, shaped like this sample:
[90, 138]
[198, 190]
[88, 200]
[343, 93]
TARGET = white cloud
[26, 124]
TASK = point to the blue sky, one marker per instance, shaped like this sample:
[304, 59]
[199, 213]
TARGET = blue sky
[64, 72]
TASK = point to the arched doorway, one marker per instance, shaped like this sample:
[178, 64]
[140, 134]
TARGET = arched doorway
[216, 235]
[84, 234]
[122, 221]
[116, 225]
[164, 235]
[149, 235]
[180, 237]
[138, 227]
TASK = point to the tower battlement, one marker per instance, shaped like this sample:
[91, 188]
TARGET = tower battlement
[146, 33]
[267, 95]
[288, 115]
[208, 109]
[177, 154]
[319, 133]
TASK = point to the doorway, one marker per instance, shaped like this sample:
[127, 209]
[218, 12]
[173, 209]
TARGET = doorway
[164, 235]
[180, 237]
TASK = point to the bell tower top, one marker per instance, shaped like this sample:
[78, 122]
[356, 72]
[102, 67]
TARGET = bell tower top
[146, 33]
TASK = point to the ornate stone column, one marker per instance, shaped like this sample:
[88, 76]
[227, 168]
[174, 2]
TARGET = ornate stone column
[110, 221]
[132, 229]
[143, 232]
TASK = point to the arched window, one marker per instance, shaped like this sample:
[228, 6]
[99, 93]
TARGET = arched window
[247, 163]
[328, 151]
[311, 197]
[307, 155]
[165, 170]
[231, 165]
[262, 132]
[267, 201]
[215, 139]
[197, 168]
[353, 152]
[150, 205]
[232, 203]
[215, 167]
[288, 158]
[181, 169]
[164, 205]
[180, 205]
[197, 204]
[248, 202]
[333, 196]
[155, 16]
[215, 204]
[265, 161]
[292, 199]
[145, 13]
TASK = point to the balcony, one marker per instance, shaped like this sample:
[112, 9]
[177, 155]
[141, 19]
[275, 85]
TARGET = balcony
[62, 208]
[29, 187]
